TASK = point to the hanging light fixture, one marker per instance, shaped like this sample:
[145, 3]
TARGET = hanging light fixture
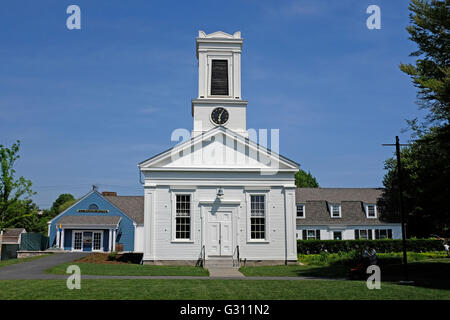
[220, 192]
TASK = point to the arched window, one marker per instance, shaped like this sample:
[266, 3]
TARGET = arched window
[93, 206]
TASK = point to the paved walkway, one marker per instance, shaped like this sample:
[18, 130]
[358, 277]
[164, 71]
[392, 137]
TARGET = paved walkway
[36, 270]
[217, 272]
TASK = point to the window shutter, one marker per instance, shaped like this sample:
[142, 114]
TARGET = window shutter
[377, 234]
[356, 234]
[317, 234]
[304, 234]
[369, 232]
[219, 77]
[390, 233]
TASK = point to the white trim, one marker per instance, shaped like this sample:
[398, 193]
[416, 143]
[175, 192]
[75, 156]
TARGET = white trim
[144, 165]
[73, 240]
[296, 210]
[173, 197]
[266, 217]
[219, 202]
[82, 231]
[332, 206]
[220, 56]
[366, 208]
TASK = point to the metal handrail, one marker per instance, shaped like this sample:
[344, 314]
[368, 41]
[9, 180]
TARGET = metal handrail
[237, 261]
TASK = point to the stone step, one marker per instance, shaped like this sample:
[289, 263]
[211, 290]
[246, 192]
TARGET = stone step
[219, 263]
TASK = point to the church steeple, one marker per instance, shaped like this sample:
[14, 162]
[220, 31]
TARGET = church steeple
[219, 101]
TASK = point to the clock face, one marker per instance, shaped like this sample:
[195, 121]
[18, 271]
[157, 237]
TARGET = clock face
[219, 116]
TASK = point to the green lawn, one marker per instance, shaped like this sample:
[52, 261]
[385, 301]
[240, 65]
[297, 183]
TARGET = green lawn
[130, 270]
[4, 263]
[431, 273]
[213, 289]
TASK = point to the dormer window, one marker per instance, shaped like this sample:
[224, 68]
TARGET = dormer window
[219, 77]
[335, 210]
[300, 210]
[371, 211]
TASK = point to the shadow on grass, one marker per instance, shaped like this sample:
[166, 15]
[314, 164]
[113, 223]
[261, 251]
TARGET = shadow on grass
[427, 274]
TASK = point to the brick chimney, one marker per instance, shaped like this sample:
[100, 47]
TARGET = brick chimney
[109, 193]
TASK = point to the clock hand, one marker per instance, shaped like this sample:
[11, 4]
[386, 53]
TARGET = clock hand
[220, 115]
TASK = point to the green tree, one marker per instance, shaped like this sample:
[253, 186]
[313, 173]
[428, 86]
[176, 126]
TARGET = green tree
[426, 172]
[12, 190]
[61, 203]
[305, 179]
[427, 161]
[431, 72]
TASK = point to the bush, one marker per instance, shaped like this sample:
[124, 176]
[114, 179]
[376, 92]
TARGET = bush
[112, 256]
[351, 258]
[384, 245]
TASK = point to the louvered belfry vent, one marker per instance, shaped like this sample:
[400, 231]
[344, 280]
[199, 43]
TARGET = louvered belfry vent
[219, 78]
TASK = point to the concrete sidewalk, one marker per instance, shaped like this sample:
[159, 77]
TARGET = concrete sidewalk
[218, 272]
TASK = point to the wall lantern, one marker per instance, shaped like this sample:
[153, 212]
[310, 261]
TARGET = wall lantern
[220, 193]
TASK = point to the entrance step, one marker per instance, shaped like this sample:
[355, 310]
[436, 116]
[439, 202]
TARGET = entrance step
[219, 263]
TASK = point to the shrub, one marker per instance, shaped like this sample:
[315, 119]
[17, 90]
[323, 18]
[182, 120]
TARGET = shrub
[112, 256]
[382, 245]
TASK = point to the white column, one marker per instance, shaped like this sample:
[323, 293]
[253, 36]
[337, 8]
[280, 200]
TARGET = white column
[62, 239]
[109, 240]
[114, 240]
[149, 252]
[290, 224]
[58, 236]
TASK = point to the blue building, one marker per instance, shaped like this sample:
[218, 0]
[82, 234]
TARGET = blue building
[100, 223]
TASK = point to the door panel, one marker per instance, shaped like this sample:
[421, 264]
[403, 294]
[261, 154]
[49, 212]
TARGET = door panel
[78, 241]
[214, 238]
[220, 234]
[87, 241]
[225, 238]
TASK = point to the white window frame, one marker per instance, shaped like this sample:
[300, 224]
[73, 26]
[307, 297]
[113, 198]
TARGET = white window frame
[315, 234]
[73, 240]
[266, 217]
[82, 231]
[101, 240]
[342, 234]
[174, 216]
[220, 56]
[366, 206]
[296, 211]
[332, 206]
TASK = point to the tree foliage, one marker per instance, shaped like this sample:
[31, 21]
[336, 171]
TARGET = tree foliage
[426, 188]
[14, 192]
[305, 179]
[431, 72]
[426, 163]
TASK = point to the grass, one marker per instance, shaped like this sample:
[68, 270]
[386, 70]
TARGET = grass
[4, 263]
[213, 290]
[429, 270]
[126, 269]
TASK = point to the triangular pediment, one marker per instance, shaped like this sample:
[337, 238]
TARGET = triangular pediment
[219, 149]
[219, 35]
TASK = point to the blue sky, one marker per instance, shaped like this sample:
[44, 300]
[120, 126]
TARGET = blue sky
[90, 104]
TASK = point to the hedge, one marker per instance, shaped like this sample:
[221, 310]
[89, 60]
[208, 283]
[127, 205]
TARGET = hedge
[384, 245]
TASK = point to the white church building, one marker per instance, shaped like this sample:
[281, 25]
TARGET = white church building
[219, 195]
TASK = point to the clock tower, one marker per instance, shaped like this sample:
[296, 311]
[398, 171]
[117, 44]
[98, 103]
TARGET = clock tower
[219, 101]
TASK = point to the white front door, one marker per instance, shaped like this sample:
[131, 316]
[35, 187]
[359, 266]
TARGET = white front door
[220, 234]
